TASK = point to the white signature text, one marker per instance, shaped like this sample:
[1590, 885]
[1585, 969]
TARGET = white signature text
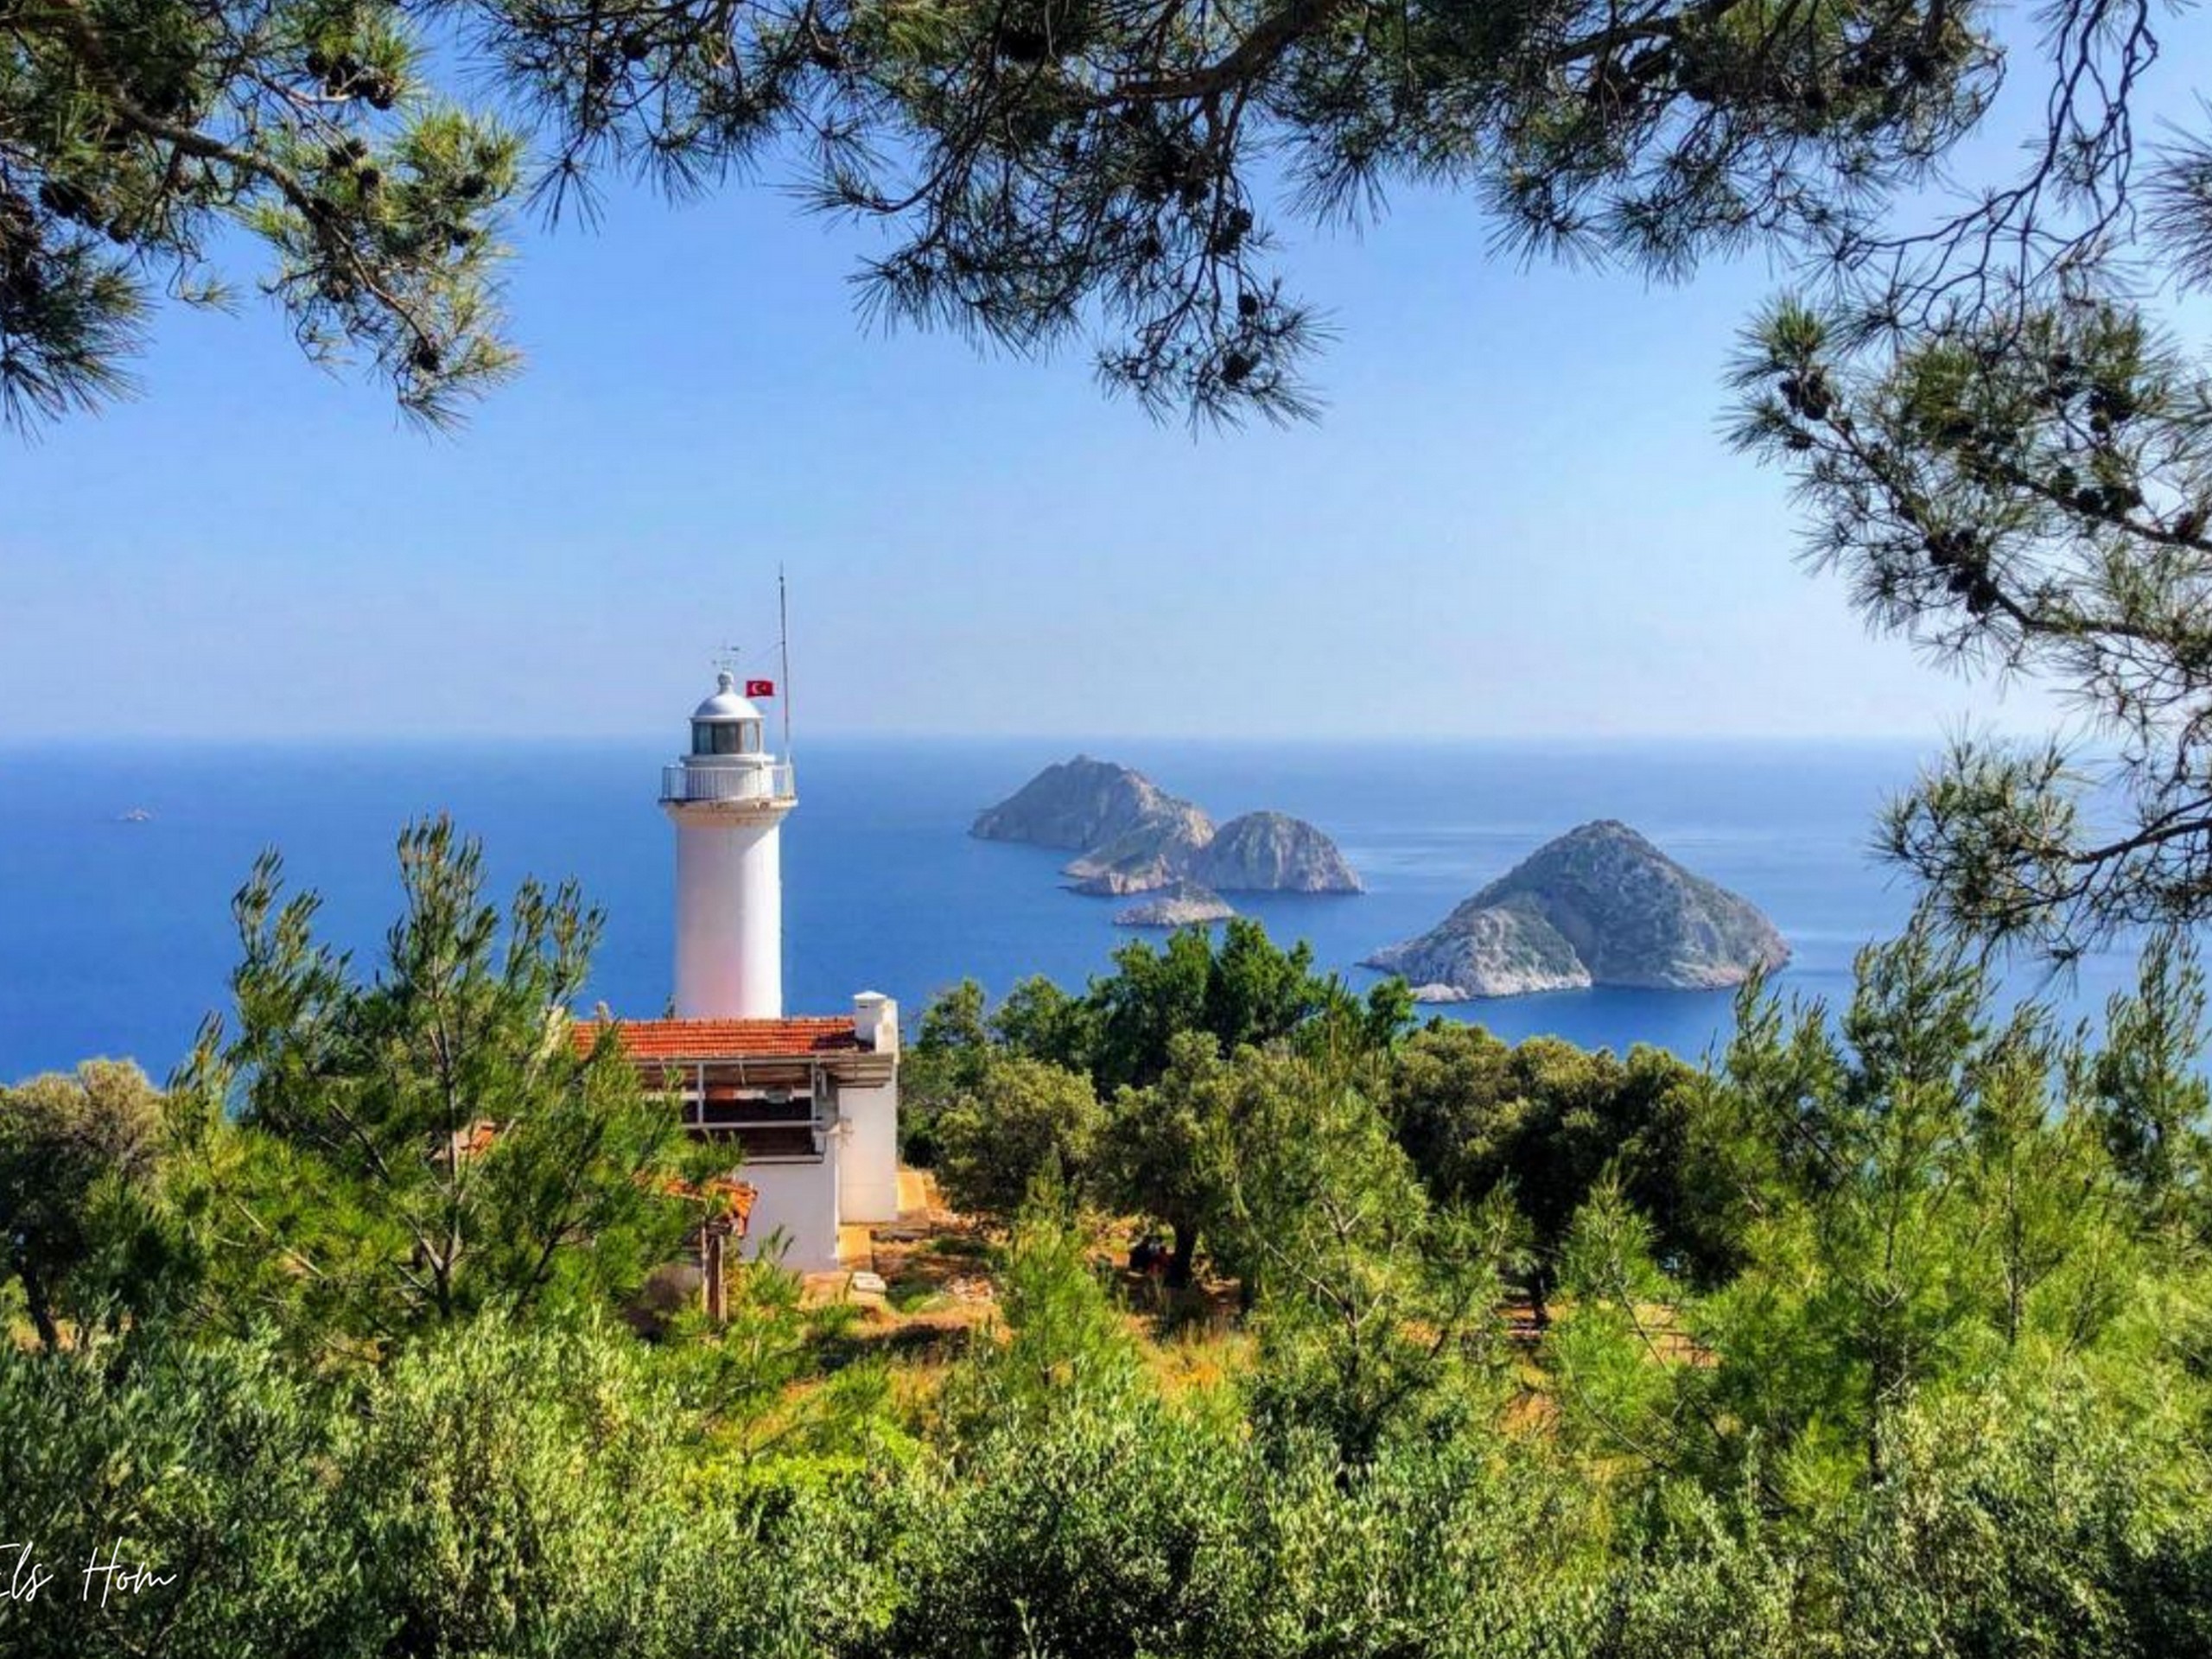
[26, 1575]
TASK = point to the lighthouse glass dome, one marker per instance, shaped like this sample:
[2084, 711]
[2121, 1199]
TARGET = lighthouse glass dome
[726, 724]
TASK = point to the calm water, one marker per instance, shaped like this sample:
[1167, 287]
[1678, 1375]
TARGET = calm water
[115, 938]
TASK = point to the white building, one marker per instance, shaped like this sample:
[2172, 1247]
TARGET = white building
[810, 1101]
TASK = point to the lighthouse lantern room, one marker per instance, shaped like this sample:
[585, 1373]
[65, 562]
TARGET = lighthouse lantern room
[728, 798]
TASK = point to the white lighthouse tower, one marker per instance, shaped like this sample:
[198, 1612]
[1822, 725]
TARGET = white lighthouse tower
[728, 798]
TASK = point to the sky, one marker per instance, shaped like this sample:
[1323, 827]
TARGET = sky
[1516, 519]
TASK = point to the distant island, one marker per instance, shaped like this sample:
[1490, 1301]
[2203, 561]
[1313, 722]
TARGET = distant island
[1599, 905]
[1181, 906]
[1133, 836]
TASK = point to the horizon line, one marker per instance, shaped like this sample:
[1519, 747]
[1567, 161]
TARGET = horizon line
[109, 739]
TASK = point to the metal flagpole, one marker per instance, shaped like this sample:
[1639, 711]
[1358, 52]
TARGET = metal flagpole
[783, 628]
[784, 624]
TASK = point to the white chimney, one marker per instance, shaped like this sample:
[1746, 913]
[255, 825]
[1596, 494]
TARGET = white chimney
[875, 1017]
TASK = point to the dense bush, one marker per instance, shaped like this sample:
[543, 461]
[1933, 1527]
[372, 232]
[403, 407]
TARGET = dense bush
[492, 1492]
[1114, 1531]
[216, 1464]
[495, 1493]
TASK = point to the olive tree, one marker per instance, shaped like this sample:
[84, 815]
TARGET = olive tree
[1023, 1122]
[71, 1146]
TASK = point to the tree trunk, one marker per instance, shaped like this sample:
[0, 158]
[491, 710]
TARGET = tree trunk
[1179, 1260]
[41, 1312]
[1881, 1367]
[715, 1286]
[1540, 1307]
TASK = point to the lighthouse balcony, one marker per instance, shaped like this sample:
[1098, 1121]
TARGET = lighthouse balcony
[766, 785]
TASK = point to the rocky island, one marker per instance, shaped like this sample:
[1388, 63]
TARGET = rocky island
[1083, 804]
[1272, 852]
[1183, 905]
[1136, 837]
[1599, 905]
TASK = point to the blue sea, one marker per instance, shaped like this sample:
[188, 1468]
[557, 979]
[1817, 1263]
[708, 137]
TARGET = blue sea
[116, 938]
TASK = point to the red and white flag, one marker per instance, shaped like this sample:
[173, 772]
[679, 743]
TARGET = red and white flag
[760, 687]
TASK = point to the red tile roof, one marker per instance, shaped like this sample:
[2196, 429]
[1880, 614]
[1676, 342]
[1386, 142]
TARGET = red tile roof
[738, 1195]
[715, 1040]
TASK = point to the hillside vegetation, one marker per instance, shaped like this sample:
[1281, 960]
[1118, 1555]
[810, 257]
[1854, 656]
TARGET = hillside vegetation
[1888, 1331]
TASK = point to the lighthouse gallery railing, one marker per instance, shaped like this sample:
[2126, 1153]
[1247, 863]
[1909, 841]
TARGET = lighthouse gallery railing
[682, 783]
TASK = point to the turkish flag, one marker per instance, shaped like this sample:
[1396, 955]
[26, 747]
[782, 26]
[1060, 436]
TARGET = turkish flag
[760, 687]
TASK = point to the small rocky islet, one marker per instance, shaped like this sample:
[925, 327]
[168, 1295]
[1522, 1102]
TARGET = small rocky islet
[1131, 836]
[1599, 905]
[1184, 905]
